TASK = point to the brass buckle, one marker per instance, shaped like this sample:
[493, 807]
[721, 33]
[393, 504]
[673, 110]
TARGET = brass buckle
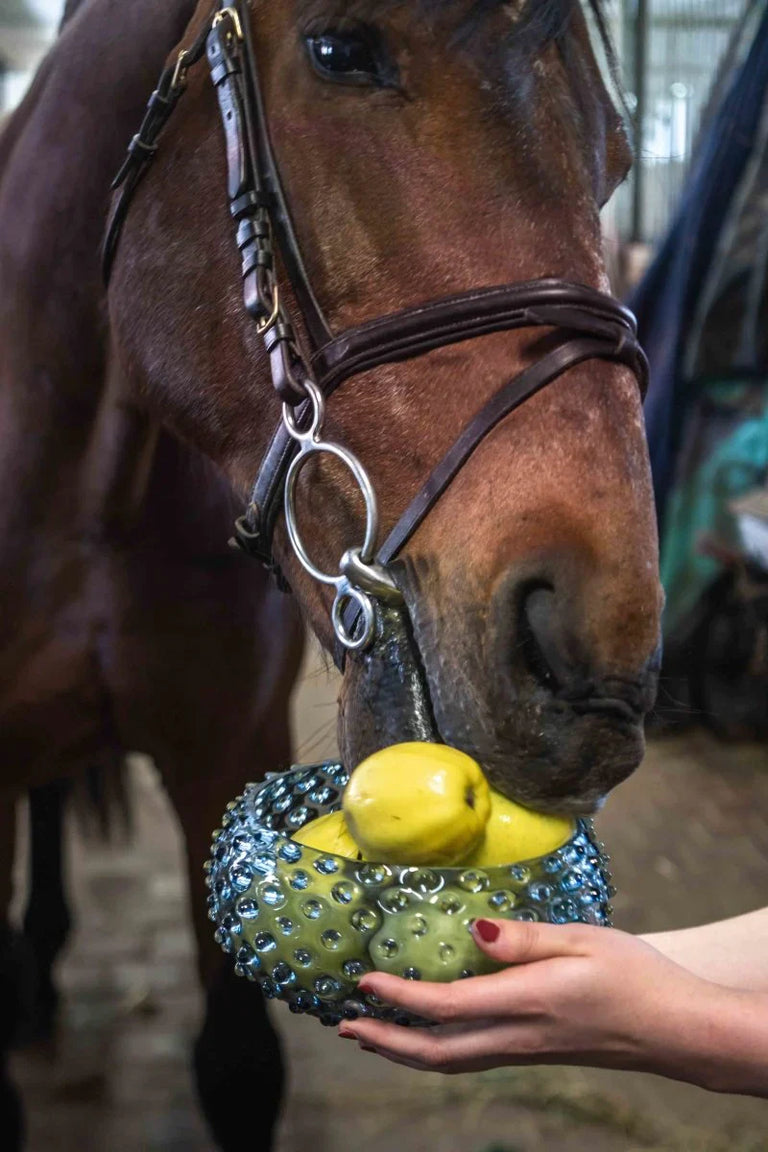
[268, 322]
[179, 77]
[233, 14]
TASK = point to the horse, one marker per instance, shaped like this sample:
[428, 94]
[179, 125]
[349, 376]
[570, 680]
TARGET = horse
[425, 148]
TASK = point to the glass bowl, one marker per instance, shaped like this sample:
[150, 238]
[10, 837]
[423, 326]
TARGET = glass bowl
[306, 925]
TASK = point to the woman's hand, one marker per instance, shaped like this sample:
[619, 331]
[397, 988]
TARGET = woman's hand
[576, 995]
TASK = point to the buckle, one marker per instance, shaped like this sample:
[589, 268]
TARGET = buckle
[233, 15]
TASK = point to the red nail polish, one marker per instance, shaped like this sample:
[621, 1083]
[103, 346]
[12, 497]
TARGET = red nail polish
[346, 1034]
[487, 930]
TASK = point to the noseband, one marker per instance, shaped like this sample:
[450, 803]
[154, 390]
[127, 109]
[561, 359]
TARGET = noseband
[586, 324]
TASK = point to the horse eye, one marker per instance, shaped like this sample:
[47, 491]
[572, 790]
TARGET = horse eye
[352, 56]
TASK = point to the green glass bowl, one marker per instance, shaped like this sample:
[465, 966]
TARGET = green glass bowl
[306, 925]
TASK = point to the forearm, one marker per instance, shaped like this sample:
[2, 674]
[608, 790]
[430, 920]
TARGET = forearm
[731, 952]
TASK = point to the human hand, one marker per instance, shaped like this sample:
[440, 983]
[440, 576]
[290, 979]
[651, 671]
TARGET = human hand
[573, 995]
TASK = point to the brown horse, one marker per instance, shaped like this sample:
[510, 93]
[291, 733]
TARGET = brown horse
[474, 146]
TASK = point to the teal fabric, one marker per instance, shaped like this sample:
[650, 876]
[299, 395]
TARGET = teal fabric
[699, 502]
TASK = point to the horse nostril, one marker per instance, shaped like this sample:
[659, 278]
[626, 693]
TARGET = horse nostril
[555, 657]
[542, 639]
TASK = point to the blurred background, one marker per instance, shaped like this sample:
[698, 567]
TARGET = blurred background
[687, 242]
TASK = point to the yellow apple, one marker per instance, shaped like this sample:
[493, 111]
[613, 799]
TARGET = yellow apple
[514, 833]
[329, 833]
[417, 803]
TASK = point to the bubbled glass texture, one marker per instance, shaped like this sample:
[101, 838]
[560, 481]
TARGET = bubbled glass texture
[307, 925]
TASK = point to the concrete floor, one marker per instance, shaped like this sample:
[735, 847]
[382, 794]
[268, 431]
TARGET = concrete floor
[689, 840]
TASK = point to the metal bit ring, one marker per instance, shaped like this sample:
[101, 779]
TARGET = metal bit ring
[357, 563]
[310, 447]
[367, 616]
[307, 438]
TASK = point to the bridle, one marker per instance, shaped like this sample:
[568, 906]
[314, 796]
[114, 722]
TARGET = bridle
[587, 325]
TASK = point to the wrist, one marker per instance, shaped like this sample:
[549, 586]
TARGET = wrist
[719, 1040]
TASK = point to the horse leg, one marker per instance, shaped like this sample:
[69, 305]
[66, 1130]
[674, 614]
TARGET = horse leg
[237, 1058]
[15, 984]
[46, 920]
[238, 1063]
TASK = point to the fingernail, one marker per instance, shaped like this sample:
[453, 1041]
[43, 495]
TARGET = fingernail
[346, 1034]
[486, 930]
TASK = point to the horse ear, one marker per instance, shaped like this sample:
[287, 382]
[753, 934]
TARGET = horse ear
[70, 8]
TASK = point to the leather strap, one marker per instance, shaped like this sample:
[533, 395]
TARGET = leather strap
[573, 309]
[143, 147]
[264, 162]
[517, 390]
[250, 149]
[451, 319]
[500, 405]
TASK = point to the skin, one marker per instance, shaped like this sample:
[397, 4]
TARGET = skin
[690, 1005]
[557, 498]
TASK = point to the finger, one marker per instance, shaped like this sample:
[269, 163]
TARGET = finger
[443, 1050]
[502, 994]
[526, 941]
[454, 1068]
[414, 1064]
[370, 1048]
[396, 1038]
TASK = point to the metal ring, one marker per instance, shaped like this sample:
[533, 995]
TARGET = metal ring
[309, 436]
[309, 448]
[365, 605]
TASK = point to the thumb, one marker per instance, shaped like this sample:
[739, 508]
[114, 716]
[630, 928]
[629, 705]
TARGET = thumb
[525, 941]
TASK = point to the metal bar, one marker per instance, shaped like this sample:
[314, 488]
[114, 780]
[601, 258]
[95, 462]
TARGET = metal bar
[639, 65]
[684, 23]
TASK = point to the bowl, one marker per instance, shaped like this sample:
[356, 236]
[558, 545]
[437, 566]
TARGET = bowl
[306, 925]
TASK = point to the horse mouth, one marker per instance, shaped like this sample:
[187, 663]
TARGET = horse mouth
[611, 706]
[551, 755]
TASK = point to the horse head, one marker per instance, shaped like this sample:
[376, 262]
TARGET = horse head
[424, 149]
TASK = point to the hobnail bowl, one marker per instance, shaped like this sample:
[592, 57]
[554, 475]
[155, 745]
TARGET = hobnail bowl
[306, 925]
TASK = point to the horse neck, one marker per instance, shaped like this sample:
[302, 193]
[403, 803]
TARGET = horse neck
[73, 126]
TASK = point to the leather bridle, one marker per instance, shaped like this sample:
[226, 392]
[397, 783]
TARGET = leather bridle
[586, 324]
